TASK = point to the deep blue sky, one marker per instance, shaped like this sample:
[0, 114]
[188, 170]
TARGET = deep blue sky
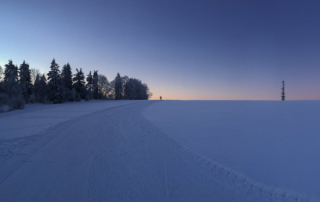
[238, 50]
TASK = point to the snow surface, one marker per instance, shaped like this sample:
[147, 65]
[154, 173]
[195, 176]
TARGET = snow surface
[37, 118]
[272, 144]
[109, 151]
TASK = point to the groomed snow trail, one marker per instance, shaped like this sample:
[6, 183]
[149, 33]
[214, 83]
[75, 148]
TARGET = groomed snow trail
[116, 155]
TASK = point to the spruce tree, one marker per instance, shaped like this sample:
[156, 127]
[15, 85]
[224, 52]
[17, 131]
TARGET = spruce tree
[40, 88]
[66, 77]
[54, 84]
[37, 88]
[10, 72]
[25, 81]
[89, 85]
[43, 88]
[11, 83]
[95, 81]
[78, 83]
[118, 87]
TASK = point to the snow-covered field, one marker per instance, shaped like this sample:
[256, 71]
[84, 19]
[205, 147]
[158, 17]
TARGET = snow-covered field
[38, 118]
[161, 151]
[273, 144]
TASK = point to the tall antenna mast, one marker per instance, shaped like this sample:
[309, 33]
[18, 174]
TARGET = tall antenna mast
[282, 93]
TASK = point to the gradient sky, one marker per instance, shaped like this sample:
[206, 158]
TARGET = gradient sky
[197, 50]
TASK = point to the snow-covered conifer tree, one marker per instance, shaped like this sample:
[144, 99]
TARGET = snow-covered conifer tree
[66, 76]
[40, 88]
[43, 88]
[10, 72]
[11, 83]
[54, 84]
[78, 83]
[37, 88]
[89, 85]
[25, 81]
[95, 85]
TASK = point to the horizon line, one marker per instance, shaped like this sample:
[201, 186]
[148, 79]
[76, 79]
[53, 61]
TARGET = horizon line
[235, 100]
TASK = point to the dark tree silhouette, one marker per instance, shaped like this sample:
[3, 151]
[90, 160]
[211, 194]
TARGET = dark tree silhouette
[11, 83]
[37, 88]
[78, 84]
[66, 76]
[282, 92]
[134, 89]
[25, 81]
[54, 84]
[118, 87]
[89, 85]
[95, 81]
[25, 84]
[40, 88]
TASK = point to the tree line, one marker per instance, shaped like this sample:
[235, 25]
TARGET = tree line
[24, 85]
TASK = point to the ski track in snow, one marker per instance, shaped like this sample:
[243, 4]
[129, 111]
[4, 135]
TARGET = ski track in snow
[115, 154]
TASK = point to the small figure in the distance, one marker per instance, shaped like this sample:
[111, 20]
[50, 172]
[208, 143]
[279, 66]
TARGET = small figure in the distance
[160, 98]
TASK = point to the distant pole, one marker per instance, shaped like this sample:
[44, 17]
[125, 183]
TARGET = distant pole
[282, 93]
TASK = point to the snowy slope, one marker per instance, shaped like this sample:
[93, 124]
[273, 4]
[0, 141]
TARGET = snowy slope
[274, 144]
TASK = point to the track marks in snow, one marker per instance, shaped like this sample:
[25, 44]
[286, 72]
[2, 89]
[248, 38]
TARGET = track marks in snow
[165, 180]
[25, 127]
[9, 147]
[116, 155]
